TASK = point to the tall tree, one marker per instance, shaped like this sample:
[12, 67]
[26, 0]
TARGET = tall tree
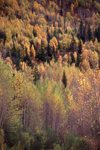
[72, 45]
[73, 59]
[89, 33]
[61, 11]
[49, 51]
[34, 32]
[36, 74]
[43, 58]
[81, 29]
[80, 47]
[64, 79]
[78, 60]
[48, 61]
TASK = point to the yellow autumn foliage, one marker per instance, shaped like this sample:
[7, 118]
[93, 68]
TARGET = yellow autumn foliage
[54, 42]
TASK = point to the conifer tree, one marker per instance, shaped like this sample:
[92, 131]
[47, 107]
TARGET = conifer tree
[48, 35]
[61, 11]
[4, 37]
[55, 33]
[85, 32]
[81, 29]
[64, 79]
[80, 47]
[14, 50]
[72, 44]
[36, 74]
[89, 33]
[34, 32]
[49, 51]
[98, 34]
[78, 60]
[43, 58]
[73, 59]
[55, 57]
[48, 61]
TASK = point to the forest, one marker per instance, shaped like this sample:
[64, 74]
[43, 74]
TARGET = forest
[49, 75]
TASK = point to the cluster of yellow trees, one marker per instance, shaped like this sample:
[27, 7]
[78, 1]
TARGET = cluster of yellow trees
[48, 103]
[36, 110]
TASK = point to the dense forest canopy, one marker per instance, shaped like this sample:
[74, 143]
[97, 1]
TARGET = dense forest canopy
[49, 74]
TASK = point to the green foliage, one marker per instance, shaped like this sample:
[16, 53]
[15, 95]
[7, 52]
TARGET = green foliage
[12, 17]
[51, 138]
[81, 2]
[40, 139]
[57, 147]
[79, 144]
[70, 140]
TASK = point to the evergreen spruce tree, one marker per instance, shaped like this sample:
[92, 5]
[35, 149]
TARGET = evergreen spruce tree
[84, 36]
[80, 47]
[98, 34]
[73, 59]
[55, 57]
[55, 33]
[43, 58]
[36, 74]
[89, 33]
[48, 35]
[61, 11]
[16, 35]
[14, 54]
[72, 44]
[4, 37]
[34, 32]
[64, 79]
[49, 51]
[78, 60]
[81, 29]
[48, 61]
